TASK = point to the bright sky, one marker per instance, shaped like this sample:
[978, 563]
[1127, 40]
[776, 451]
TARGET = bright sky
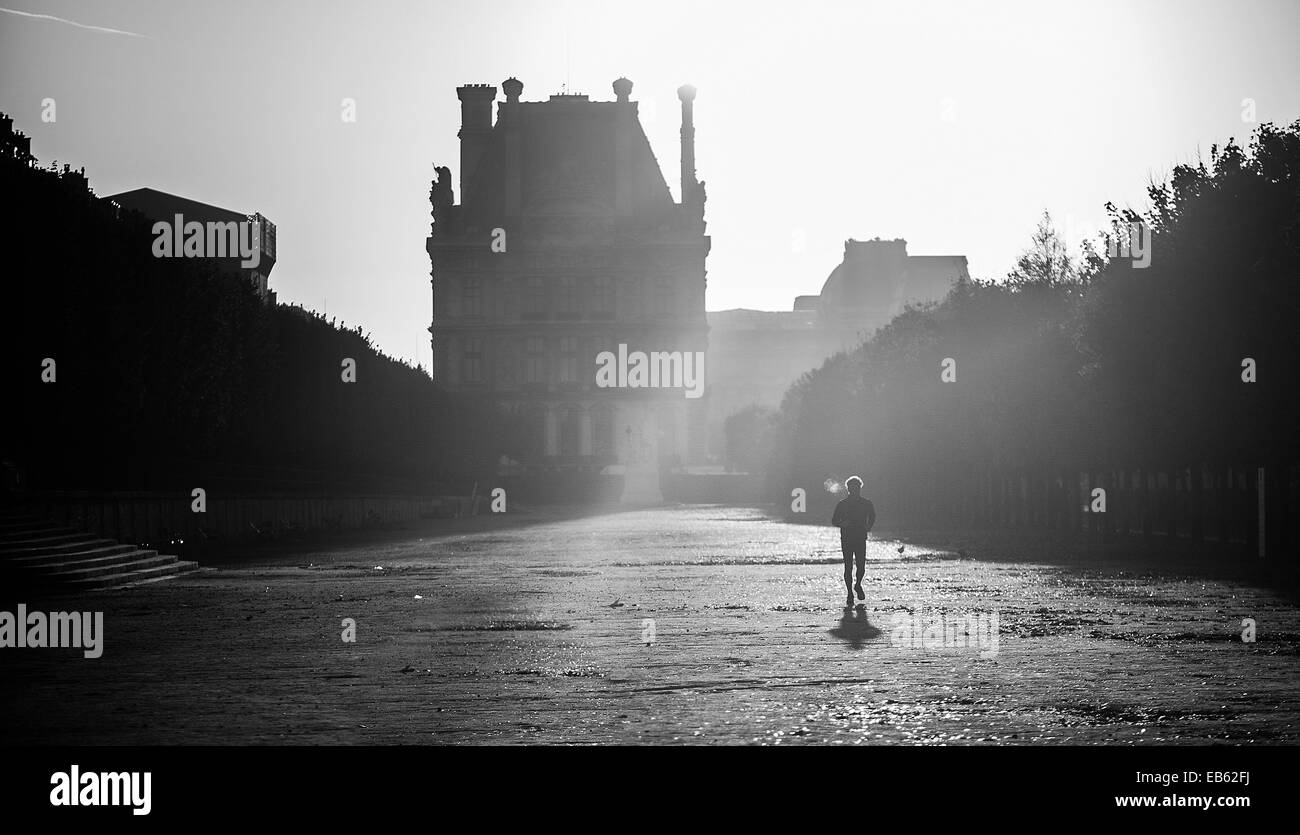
[950, 124]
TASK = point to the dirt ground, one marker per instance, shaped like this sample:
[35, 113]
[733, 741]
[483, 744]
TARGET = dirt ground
[700, 624]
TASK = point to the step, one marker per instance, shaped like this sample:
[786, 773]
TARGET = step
[51, 538]
[65, 548]
[37, 533]
[114, 581]
[185, 568]
[51, 557]
[27, 527]
[128, 556]
[19, 520]
[38, 536]
[66, 556]
[140, 561]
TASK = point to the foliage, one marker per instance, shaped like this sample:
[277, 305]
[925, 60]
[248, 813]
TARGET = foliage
[1088, 361]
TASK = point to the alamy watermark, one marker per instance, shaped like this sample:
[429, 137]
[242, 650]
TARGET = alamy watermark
[654, 369]
[102, 788]
[79, 630]
[213, 239]
[927, 631]
[1137, 246]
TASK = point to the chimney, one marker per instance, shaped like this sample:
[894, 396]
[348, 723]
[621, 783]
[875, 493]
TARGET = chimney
[687, 95]
[508, 121]
[624, 127]
[513, 88]
[475, 127]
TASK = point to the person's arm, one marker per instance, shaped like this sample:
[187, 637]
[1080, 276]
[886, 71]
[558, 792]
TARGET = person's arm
[837, 518]
[871, 515]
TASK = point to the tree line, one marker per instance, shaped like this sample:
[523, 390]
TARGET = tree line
[135, 372]
[1168, 385]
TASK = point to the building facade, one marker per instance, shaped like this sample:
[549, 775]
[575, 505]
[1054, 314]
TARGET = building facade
[159, 206]
[564, 245]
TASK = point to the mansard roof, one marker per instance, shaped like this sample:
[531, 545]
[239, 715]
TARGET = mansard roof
[574, 156]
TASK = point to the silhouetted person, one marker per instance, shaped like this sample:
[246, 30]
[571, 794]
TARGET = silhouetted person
[854, 516]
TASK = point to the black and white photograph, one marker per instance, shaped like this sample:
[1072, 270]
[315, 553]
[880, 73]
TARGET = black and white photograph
[390, 383]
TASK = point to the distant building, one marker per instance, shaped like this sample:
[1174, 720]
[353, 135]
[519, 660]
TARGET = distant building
[161, 206]
[755, 355]
[875, 281]
[567, 243]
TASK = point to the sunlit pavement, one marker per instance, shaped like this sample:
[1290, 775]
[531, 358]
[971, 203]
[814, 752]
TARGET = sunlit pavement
[687, 624]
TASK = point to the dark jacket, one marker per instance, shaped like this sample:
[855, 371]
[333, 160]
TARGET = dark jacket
[854, 516]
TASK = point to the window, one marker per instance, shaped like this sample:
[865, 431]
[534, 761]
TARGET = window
[536, 422]
[534, 360]
[505, 361]
[507, 300]
[471, 368]
[568, 296]
[471, 300]
[602, 297]
[536, 305]
[568, 359]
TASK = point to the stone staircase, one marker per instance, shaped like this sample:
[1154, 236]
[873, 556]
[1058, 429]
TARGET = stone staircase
[39, 555]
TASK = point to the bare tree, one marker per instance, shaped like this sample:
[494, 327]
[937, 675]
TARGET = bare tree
[1047, 262]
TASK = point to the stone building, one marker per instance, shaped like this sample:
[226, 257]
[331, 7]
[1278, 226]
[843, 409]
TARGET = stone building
[566, 243]
[874, 282]
[159, 206]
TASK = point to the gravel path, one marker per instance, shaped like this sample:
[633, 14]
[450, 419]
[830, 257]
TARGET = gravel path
[541, 633]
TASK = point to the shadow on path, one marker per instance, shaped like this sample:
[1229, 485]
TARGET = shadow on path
[855, 628]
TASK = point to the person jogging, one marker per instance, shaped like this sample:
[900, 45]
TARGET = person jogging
[854, 516]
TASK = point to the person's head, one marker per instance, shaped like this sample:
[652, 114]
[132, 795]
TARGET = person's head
[853, 485]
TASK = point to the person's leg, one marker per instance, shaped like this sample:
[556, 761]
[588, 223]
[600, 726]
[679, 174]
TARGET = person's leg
[860, 562]
[847, 548]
